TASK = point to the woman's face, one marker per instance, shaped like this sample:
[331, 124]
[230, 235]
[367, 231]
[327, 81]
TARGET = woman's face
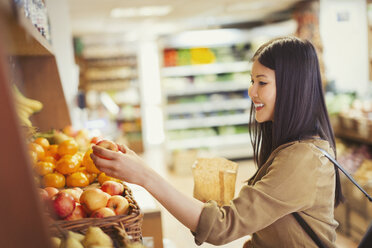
[263, 92]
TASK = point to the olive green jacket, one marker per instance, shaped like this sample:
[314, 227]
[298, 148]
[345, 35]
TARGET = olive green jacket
[296, 178]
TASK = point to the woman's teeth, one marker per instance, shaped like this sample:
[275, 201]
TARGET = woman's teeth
[258, 105]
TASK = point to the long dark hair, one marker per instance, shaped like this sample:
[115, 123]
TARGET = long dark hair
[300, 110]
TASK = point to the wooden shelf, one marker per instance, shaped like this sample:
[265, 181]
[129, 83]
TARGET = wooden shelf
[24, 38]
[17, 220]
[352, 136]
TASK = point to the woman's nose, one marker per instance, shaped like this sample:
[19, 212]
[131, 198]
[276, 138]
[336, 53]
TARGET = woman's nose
[252, 91]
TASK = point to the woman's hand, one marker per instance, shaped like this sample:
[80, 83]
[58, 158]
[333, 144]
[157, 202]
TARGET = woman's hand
[125, 165]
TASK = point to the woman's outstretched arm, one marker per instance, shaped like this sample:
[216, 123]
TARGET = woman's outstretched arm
[128, 166]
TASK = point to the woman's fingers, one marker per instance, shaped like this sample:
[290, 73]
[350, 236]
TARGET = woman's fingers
[101, 163]
[125, 149]
[122, 148]
[104, 153]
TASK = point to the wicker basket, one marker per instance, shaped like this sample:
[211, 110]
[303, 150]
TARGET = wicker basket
[120, 228]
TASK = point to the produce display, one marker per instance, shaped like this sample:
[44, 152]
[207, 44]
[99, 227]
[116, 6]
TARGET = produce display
[110, 199]
[94, 238]
[71, 185]
[352, 156]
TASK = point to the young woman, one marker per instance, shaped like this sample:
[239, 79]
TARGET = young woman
[289, 121]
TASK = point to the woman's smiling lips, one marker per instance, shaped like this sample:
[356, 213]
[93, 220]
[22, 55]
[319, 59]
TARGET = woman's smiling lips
[258, 106]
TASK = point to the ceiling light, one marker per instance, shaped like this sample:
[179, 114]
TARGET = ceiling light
[141, 12]
[119, 12]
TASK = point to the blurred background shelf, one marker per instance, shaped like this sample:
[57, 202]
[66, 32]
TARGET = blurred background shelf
[208, 106]
[214, 141]
[211, 121]
[209, 88]
[190, 70]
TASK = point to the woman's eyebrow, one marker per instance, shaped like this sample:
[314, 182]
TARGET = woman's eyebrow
[261, 75]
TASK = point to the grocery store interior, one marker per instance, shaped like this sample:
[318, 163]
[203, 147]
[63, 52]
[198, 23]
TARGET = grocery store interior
[170, 80]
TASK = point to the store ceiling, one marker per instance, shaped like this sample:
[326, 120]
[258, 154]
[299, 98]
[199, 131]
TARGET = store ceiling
[92, 17]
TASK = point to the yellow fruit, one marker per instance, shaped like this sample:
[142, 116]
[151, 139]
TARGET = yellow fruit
[89, 164]
[38, 149]
[42, 141]
[68, 147]
[55, 180]
[52, 150]
[43, 168]
[103, 178]
[49, 159]
[33, 156]
[67, 165]
[77, 179]
[91, 176]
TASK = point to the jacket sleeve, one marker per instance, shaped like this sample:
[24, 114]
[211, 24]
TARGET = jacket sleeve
[288, 186]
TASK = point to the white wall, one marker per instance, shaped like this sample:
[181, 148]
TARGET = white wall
[62, 43]
[343, 28]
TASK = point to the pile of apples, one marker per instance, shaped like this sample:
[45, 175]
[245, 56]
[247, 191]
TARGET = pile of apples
[76, 203]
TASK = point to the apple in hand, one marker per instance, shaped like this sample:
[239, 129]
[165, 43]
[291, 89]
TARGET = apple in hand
[77, 214]
[102, 213]
[118, 204]
[63, 204]
[93, 199]
[108, 144]
[112, 188]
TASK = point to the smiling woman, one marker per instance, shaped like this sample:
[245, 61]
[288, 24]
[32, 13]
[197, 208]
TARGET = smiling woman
[288, 122]
[263, 92]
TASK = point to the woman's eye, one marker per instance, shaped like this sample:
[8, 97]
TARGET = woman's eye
[262, 83]
[252, 82]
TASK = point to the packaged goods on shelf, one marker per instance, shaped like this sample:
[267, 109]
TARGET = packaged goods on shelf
[205, 55]
[206, 99]
[36, 11]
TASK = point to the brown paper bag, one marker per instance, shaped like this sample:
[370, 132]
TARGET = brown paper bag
[214, 179]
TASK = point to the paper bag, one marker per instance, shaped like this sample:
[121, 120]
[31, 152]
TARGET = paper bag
[214, 179]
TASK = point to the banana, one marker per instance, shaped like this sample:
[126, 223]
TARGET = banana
[23, 118]
[35, 105]
[24, 108]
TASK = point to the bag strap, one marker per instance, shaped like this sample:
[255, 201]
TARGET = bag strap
[303, 223]
[345, 172]
[308, 230]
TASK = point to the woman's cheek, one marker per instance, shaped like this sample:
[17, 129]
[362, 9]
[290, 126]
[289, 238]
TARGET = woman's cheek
[249, 91]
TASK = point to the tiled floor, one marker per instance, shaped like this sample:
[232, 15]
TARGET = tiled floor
[178, 236]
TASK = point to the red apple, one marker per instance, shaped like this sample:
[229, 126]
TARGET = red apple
[108, 144]
[63, 204]
[112, 188]
[77, 214]
[43, 194]
[102, 213]
[118, 204]
[51, 191]
[93, 199]
[95, 140]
